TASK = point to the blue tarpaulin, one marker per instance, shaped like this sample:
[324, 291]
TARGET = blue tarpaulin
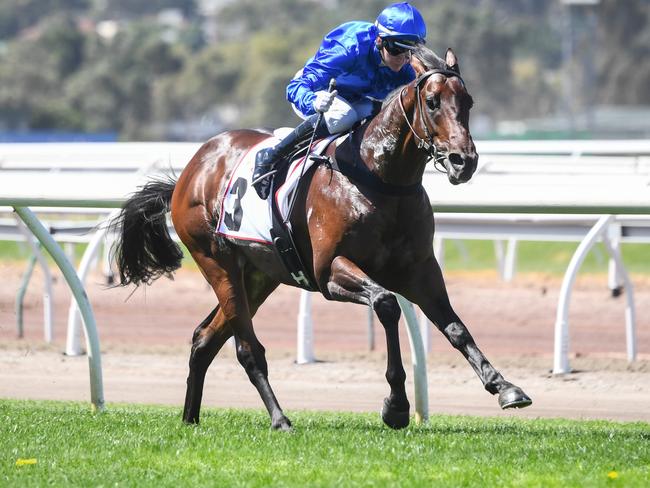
[56, 136]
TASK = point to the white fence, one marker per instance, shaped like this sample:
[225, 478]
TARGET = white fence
[554, 190]
[549, 178]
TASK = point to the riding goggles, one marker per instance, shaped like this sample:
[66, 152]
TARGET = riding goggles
[396, 47]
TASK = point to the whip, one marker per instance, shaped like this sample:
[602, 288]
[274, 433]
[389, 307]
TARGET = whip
[330, 88]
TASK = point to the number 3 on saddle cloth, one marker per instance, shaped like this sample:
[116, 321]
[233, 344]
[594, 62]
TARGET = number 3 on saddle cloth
[245, 216]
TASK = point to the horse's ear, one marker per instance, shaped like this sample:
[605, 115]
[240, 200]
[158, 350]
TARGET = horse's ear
[452, 61]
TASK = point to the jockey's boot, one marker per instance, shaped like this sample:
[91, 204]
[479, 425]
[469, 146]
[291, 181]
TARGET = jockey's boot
[268, 158]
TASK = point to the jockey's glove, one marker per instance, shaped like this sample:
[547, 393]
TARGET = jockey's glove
[323, 100]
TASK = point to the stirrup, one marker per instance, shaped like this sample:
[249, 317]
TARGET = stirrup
[264, 176]
[320, 159]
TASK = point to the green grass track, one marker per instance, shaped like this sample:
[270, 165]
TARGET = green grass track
[65, 444]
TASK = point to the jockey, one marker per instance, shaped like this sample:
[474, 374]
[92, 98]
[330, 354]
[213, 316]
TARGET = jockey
[367, 60]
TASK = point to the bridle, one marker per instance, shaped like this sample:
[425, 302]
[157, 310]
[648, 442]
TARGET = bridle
[426, 143]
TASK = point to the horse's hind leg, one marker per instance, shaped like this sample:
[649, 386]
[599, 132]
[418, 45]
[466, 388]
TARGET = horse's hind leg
[207, 340]
[348, 283]
[430, 294]
[251, 353]
[227, 279]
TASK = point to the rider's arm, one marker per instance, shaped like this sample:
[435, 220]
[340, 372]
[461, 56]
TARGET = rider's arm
[331, 60]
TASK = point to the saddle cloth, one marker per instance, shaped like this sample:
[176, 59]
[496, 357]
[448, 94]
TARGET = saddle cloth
[244, 215]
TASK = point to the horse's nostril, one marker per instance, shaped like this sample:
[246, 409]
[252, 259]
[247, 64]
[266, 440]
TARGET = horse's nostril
[456, 160]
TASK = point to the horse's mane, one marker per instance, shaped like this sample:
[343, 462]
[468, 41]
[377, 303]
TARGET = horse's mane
[428, 58]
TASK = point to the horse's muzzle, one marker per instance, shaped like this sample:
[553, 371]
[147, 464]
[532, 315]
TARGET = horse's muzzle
[460, 167]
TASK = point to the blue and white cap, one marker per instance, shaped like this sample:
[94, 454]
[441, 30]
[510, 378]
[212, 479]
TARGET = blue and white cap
[402, 21]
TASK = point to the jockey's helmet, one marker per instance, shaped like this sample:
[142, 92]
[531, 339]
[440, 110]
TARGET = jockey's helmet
[401, 22]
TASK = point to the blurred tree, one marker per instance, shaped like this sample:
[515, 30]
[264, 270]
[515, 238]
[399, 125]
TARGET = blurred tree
[142, 47]
[65, 43]
[56, 72]
[192, 37]
[130, 9]
[623, 67]
[96, 93]
[264, 83]
[27, 87]
[367, 10]
[245, 17]
[16, 15]
[484, 45]
[137, 59]
[208, 79]
[250, 74]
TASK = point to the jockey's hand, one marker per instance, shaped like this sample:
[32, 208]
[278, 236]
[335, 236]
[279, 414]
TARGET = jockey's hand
[323, 100]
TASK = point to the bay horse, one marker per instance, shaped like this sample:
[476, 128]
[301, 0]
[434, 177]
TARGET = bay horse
[359, 243]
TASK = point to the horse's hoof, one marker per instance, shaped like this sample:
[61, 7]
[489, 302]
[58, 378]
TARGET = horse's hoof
[394, 419]
[190, 419]
[514, 397]
[282, 425]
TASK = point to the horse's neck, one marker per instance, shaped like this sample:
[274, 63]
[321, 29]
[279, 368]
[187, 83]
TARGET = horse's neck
[388, 148]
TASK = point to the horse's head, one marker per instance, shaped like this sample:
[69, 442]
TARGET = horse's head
[441, 116]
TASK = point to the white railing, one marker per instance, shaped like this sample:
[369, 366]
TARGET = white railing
[90, 328]
[508, 181]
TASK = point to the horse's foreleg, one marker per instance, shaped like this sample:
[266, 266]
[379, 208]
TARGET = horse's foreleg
[207, 340]
[348, 283]
[430, 294]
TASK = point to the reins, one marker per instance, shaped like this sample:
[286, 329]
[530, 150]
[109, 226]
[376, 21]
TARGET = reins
[426, 143]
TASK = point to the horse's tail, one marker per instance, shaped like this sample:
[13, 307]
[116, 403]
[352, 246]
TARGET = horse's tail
[144, 250]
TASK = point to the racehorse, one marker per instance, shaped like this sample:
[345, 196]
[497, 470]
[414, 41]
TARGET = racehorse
[361, 241]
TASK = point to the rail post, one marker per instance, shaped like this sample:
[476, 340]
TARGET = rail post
[561, 340]
[92, 338]
[418, 358]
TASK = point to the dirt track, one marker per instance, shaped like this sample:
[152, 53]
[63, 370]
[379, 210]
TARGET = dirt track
[145, 342]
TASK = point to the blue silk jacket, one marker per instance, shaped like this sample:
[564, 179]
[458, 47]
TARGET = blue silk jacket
[349, 55]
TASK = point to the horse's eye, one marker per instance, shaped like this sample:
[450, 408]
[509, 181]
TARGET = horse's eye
[433, 103]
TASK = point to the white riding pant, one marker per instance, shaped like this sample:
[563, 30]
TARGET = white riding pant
[342, 115]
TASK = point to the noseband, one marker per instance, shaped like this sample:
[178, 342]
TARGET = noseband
[426, 143]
